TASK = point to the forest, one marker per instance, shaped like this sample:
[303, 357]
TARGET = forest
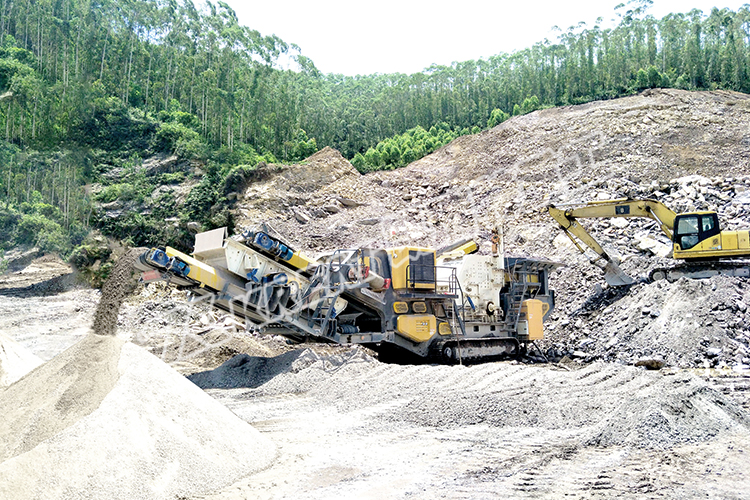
[88, 87]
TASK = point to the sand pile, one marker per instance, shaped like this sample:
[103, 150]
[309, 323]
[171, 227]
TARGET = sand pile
[109, 420]
[106, 419]
[15, 361]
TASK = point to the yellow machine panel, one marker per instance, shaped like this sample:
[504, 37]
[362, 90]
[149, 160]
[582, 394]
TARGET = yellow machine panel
[417, 327]
[532, 312]
[301, 261]
[199, 271]
[724, 244]
[412, 267]
[444, 329]
[400, 307]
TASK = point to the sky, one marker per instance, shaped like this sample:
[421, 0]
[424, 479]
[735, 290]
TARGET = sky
[352, 37]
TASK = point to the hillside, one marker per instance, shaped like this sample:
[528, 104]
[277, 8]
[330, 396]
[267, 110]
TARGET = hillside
[688, 149]
[507, 174]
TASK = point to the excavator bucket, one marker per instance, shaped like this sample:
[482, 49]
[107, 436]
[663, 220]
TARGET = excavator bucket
[615, 276]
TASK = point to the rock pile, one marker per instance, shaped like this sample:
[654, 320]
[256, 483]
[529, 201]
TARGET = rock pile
[698, 323]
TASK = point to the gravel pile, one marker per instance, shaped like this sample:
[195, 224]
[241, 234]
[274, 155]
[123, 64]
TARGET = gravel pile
[15, 361]
[106, 419]
[253, 371]
[599, 404]
[119, 285]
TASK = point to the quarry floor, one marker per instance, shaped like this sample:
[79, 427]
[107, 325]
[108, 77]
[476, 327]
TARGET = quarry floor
[348, 426]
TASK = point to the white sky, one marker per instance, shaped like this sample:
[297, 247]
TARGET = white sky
[353, 37]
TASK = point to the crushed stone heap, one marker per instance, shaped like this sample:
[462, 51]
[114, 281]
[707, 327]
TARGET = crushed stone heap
[106, 419]
[15, 361]
[600, 404]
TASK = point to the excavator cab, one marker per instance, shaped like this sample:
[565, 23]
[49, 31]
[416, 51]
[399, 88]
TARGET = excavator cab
[692, 228]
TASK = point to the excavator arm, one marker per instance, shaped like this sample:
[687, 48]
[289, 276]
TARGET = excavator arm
[568, 217]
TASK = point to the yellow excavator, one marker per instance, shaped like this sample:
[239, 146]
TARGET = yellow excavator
[696, 238]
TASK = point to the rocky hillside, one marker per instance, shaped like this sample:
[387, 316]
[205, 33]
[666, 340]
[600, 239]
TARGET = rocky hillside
[687, 149]
[506, 175]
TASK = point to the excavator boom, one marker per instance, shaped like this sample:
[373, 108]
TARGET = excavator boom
[695, 236]
[568, 217]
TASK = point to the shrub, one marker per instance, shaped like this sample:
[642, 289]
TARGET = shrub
[529, 104]
[497, 117]
[237, 178]
[172, 178]
[109, 193]
[174, 137]
[48, 235]
[111, 127]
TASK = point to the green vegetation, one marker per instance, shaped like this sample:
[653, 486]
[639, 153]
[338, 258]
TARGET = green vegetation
[89, 91]
[3, 262]
[91, 259]
[168, 77]
[403, 149]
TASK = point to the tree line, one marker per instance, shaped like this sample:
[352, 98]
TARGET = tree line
[61, 60]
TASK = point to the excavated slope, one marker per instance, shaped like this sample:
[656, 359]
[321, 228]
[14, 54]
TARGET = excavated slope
[687, 149]
[506, 174]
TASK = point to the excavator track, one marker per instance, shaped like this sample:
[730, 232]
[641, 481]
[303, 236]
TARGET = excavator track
[703, 269]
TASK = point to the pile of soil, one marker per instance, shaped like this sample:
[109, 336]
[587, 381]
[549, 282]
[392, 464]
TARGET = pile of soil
[32, 274]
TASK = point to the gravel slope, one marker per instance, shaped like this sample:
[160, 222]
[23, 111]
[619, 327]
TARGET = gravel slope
[350, 427]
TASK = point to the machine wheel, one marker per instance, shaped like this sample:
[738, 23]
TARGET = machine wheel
[449, 353]
[658, 275]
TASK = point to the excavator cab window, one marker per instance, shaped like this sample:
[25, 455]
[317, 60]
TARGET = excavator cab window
[694, 228]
